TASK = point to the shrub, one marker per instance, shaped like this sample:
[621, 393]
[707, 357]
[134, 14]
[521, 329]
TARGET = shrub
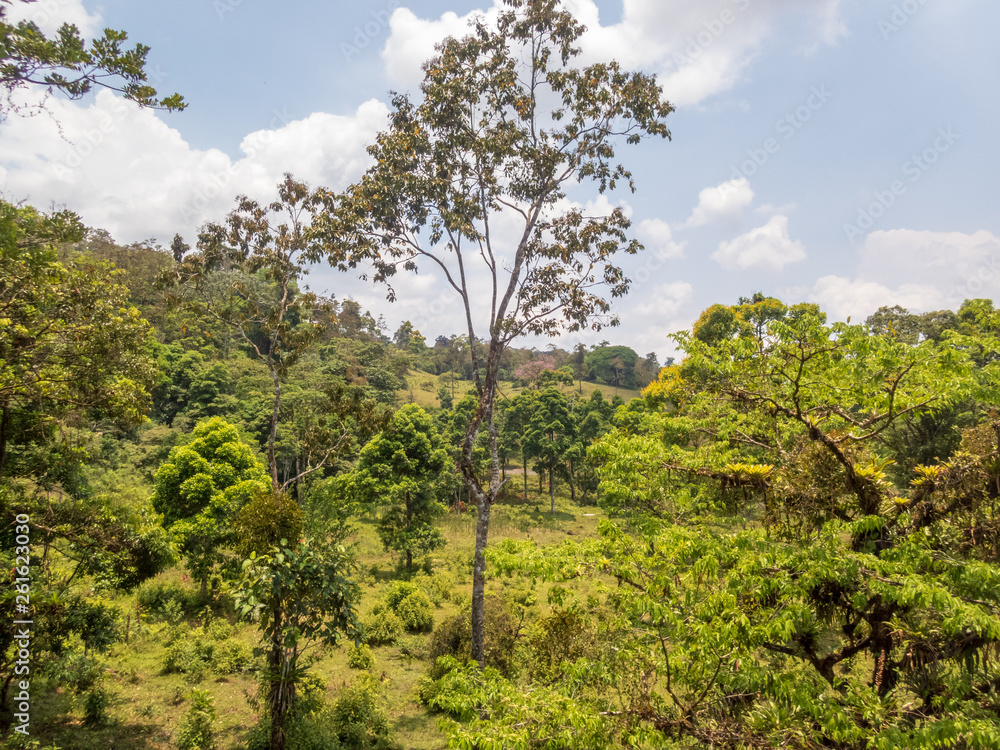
[219, 629]
[156, 595]
[198, 732]
[557, 638]
[454, 636]
[190, 656]
[233, 657]
[361, 657]
[381, 626]
[412, 605]
[95, 706]
[416, 613]
[360, 717]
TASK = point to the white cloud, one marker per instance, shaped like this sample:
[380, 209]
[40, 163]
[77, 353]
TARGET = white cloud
[411, 42]
[724, 202]
[123, 169]
[49, 15]
[698, 47]
[667, 308]
[918, 270]
[841, 297]
[657, 236]
[768, 248]
[948, 260]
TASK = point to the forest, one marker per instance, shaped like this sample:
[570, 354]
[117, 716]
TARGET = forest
[239, 513]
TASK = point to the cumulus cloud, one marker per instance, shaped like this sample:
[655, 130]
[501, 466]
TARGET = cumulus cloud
[698, 47]
[123, 169]
[918, 270]
[49, 15]
[842, 297]
[723, 202]
[658, 238]
[766, 248]
[666, 308]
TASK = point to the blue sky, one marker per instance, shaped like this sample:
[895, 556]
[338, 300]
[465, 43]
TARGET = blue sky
[825, 150]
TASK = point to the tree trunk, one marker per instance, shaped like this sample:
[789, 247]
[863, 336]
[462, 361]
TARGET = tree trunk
[4, 428]
[524, 458]
[479, 580]
[409, 561]
[279, 693]
[552, 490]
[572, 485]
[273, 434]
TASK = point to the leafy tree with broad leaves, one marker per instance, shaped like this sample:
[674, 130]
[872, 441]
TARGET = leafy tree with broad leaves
[397, 471]
[505, 127]
[613, 365]
[201, 488]
[69, 340]
[69, 64]
[301, 597]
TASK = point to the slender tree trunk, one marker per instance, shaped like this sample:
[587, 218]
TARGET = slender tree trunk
[409, 561]
[279, 693]
[4, 428]
[572, 486]
[552, 489]
[273, 434]
[524, 458]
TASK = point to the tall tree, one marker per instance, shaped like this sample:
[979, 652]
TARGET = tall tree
[550, 435]
[505, 126]
[261, 252]
[69, 340]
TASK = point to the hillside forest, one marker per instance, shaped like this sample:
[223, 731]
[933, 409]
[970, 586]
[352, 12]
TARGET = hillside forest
[240, 513]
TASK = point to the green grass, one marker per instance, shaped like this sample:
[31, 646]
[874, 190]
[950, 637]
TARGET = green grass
[147, 706]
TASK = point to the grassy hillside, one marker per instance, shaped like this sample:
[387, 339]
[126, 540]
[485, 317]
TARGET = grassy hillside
[423, 389]
[147, 704]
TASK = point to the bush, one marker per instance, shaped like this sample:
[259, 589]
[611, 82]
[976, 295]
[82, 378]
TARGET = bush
[190, 656]
[415, 613]
[219, 629]
[233, 657]
[95, 706]
[360, 717]
[560, 637]
[381, 626]
[75, 671]
[357, 721]
[155, 596]
[412, 605]
[454, 636]
[361, 657]
[198, 732]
